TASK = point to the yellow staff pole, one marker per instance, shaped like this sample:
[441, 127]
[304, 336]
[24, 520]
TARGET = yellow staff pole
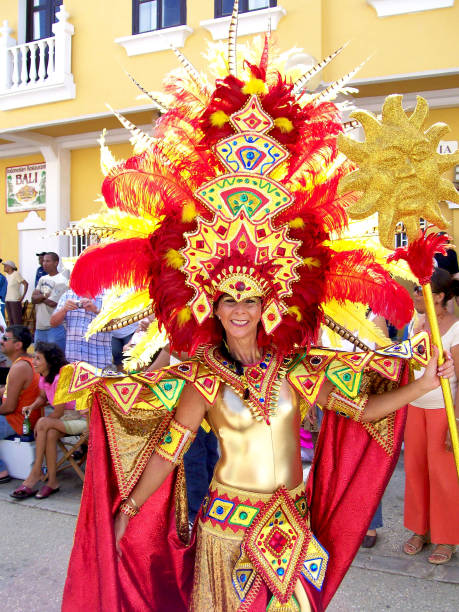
[445, 386]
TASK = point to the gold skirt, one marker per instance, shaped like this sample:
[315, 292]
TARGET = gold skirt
[218, 548]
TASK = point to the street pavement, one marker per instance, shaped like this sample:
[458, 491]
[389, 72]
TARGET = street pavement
[36, 538]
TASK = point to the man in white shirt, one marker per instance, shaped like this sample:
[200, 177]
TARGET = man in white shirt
[45, 297]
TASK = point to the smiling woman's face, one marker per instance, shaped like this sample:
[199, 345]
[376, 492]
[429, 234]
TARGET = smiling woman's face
[239, 319]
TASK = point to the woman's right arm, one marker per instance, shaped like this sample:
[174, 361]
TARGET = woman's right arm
[190, 413]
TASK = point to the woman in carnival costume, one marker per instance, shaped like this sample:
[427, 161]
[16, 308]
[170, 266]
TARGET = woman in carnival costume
[224, 225]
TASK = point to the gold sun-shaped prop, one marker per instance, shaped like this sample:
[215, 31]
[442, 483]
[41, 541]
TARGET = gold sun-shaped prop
[400, 170]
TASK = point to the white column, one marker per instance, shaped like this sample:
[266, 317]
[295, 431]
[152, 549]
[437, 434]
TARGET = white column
[5, 62]
[57, 197]
[63, 32]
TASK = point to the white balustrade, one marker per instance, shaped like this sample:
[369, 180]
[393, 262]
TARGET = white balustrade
[36, 66]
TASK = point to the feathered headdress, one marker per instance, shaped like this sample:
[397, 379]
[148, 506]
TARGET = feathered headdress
[236, 194]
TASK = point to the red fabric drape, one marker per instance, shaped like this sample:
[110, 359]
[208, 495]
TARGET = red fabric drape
[155, 570]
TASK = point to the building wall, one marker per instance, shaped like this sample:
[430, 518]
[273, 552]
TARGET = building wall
[425, 41]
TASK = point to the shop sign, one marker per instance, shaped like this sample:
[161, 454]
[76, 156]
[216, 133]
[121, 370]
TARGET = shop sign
[25, 187]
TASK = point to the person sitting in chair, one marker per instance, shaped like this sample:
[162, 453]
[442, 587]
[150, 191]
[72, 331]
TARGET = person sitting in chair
[63, 421]
[21, 386]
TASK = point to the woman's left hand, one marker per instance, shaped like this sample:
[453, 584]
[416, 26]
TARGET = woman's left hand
[446, 369]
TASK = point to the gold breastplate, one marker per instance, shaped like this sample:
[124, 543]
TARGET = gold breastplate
[256, 456]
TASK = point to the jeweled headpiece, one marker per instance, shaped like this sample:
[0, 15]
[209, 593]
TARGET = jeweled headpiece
[236, 194]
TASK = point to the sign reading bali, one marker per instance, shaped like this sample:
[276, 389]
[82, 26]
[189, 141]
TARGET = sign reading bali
[25, 187]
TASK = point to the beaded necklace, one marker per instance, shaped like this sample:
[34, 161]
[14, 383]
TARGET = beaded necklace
[258, 385]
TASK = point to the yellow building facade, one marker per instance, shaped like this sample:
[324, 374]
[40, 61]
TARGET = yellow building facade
[62, 61]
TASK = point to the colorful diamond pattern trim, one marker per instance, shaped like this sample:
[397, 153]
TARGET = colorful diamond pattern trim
[315, 563]
[243, 515]
[356, 361]
[84, 375]
[220, 509]
[276, 543]
[344, 378]
[124, 392]
[420, 346]
[252, 117]
[389, 367]
[168, 391]
[251, 152]
[243, 576]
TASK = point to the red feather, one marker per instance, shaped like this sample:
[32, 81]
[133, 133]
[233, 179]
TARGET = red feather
[355, 276]
[420, 254]
[126, 262]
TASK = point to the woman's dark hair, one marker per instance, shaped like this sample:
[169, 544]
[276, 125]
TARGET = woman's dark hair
[443, 282]
[54, 357]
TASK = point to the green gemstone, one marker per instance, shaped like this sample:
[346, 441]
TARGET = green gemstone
[278, 513]
[347, 377]
[243, 515]
[168, 439]
[168, 386]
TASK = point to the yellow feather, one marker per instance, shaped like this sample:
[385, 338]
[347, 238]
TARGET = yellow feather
[189, 212]
[352, 317]
[143, 352]
[118, 303]
[174, 259]
[296, 223]
[284, 124]
[311, 262]
[219, 118]
[294, 310]
[254, 86]
[124, 225]
[184, 315]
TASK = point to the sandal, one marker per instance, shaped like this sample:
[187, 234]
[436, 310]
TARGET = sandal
[439, 558]
[46, 491]
[23, 492]
[410, 548]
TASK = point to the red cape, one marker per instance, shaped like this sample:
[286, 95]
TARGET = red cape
[348, 477]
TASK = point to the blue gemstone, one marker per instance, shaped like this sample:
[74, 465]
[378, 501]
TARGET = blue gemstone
[262, 399]
[250, 155]
[280, 571]
[219, 510]
[314, 567]
[243, 578]
[263, 365]
[225, 363]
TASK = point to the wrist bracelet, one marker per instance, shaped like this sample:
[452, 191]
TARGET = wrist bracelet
[129, 510]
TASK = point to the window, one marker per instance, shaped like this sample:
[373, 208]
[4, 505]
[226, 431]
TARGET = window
[41, 14]
[79, 241]
[225, 7]
[149, 15]
[401, 239]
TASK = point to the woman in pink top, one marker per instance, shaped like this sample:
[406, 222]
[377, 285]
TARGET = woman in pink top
[64, 420]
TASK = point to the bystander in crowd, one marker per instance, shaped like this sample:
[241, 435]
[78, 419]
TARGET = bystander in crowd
[15, 293]
[77, 313]
[45, 296]
[21, 387]
[40, 270]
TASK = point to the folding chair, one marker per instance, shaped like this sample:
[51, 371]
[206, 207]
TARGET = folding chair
[70, 448]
